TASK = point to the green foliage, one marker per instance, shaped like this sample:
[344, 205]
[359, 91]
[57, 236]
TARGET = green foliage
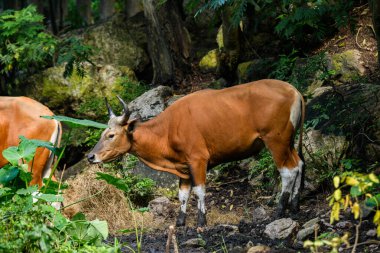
[131, 89]
[263, 166]
[75, 123]
[73, 53]
[29, 223]
[283, 68]
[305, 19]
[23, 43]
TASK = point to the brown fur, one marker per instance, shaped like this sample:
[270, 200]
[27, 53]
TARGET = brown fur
[21, 116]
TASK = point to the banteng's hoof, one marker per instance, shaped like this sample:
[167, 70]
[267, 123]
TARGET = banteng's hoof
[201, 219]
[181, 219]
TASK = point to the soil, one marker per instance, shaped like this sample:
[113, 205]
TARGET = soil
[231, 200]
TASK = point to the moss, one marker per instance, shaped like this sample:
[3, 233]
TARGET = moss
[210, 61]
[347, 65]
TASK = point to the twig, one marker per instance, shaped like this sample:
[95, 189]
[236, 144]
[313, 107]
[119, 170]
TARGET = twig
[175, 245]
[86, 198]
[366, 242]
[171, 238]
[356, 235]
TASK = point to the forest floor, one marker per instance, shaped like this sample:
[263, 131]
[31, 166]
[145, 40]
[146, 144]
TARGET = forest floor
[231, 200]
[230, 204]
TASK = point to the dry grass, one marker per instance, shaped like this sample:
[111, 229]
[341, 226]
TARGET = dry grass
[110, 205]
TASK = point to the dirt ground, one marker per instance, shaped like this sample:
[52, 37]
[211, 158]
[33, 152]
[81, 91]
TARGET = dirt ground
[231, 227]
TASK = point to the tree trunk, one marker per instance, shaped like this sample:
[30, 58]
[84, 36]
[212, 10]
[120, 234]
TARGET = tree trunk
[107, 9]
[375, 8]
[229, 53]
[84, 9]
[168, 42]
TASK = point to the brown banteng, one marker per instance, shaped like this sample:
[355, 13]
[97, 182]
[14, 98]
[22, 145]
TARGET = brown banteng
[21, 116]
[210, 127]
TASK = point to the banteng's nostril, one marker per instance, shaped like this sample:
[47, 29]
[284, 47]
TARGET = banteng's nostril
[91, 157]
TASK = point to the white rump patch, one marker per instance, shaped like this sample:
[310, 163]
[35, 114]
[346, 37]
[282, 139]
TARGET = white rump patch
[200, 191]
[291, 180]
[296, 111]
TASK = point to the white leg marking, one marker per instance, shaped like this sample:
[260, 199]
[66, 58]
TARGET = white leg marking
[200, 191]
[183, 195]
[291, 180]
[295, 111]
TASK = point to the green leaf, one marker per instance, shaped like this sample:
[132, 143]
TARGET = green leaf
[49, 197]
[26, 191]
[75, 123]
[26, 149]
[12, 155]
[117, 182]
[101, 227]
[8, 173]
[355, 191]
[5, 191]
[79, 216]
[39, 143]
[374, 201]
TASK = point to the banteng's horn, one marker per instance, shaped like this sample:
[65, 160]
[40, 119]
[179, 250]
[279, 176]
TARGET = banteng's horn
[126, 113]
[110, 112]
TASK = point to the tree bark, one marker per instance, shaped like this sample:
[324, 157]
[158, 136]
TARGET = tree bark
[375, 8]
[229, 54]
[107, 9]
[84, 9]
[168, 42]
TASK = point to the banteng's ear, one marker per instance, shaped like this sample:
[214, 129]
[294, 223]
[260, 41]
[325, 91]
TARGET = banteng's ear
[132, 125]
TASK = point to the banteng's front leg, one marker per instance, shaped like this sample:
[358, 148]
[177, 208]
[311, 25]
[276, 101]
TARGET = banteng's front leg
[183, 195]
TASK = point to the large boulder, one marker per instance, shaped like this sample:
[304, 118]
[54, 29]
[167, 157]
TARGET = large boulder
[120, 41]
[79, 96]
[344, 120]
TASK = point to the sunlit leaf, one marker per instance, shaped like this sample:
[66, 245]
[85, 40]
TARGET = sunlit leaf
[356, 210]
[75, 123]
[336, 181]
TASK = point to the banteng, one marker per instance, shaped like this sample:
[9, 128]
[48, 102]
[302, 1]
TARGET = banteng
[21, 116]
[210, 127]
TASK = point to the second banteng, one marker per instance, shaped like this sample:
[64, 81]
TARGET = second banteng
[209, 127]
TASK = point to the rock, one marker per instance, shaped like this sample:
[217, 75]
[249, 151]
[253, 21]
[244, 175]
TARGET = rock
[259, 249]
[259, 215]
[308, 229]
[254, 70]
[281, 229]
[162, 179]
[209, 62]
[160, 207]
[347, 65]
[194, 243]
[371, 233]
[151, 103]
[344, 225]
[83, 96]
[338, 115]
[121, 42]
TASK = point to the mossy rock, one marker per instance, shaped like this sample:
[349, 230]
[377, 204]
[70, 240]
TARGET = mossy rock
[209, 62]
[347, 66]
[76, 95]
[254, 70]
[120, 42]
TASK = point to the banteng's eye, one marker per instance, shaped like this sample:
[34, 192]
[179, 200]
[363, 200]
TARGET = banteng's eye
[110, 136]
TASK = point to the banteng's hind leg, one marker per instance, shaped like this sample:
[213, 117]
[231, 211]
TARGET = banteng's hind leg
[198, 173]
[290, 166]
[183, 195]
